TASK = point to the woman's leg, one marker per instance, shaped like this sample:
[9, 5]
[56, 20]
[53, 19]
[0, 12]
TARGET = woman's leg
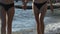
[3, 21]
[36, 13]
[10, 14]
[41, 16]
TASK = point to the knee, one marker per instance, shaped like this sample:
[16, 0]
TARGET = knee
[41, 19]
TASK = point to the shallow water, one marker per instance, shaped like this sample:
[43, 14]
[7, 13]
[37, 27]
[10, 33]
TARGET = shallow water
[24, 20]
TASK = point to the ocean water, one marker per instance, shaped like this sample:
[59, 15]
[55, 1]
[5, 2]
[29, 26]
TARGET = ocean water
[24, 20]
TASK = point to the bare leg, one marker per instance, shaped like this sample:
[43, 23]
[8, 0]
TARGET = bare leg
[51, 6]
[3, 19]
[36, 13]
[10, 14]
[44, 9]
[40, 22]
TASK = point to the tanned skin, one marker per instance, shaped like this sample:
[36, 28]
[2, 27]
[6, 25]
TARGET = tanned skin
[39, 15]
[6, 23]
